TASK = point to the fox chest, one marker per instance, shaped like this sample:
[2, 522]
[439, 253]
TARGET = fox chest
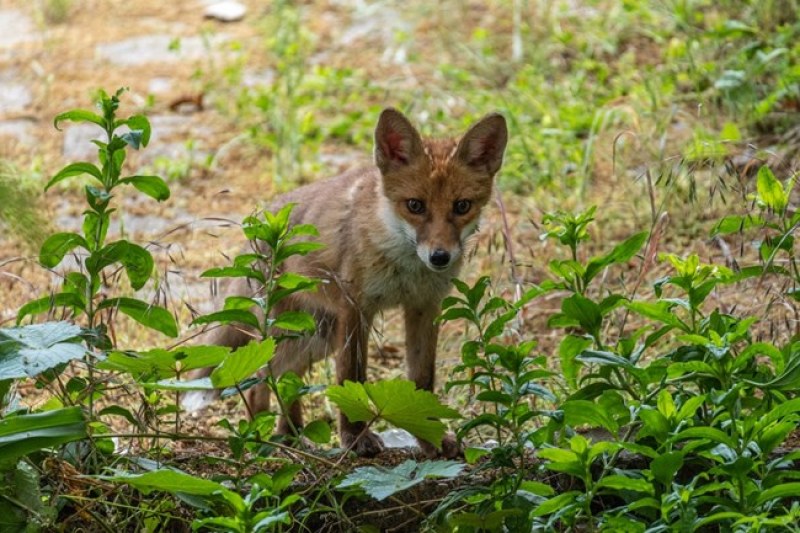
[408, 284]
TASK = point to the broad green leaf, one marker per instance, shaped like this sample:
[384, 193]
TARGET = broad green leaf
[380, 482]
[621, 253]
[295, 321]
[75, 169]
[57, 246]
[584, 311]
[47, 303]
[618, 482]
[138, 123]
[180, 385]
[556, 503]
[80, 115]
[568, 350]
[784, 490]
[603, 358]
[243, 363]
[152, 316]
[770, 190]
[137, 261]
[159, 363]
[657, 311]
[176, 482]
[396, 401]
[228, 316]
[708, 433]
[665, 466]
[583, 412]
[736, 223]
[152, 186]
[23, 434]
[318, 431]
[28, 351]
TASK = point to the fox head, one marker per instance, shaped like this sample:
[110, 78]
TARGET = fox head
[436, 189]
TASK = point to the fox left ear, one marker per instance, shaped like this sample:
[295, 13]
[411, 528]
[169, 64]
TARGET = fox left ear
[484, 143]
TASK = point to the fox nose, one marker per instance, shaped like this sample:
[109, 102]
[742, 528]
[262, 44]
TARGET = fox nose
[440, 258]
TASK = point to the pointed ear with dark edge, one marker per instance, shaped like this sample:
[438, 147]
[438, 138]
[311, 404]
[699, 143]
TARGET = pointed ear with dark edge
[484, 143]
[397, 143]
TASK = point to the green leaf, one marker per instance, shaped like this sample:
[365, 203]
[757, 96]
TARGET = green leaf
[603, 358]
[580, 412]
[28, 351]
[138, 123]
[665, 466]
[152, 316]
[708, 433]
[660, 311]
[295, 321]
[784, 490]
[621, 253]
[770, 190]
[396, 401]
[243, 363]
[75, 169]
[159, 363]
[318, 431]
[568, 350]
[23, 434]
[176, 482]
[380, 482]
[57, 246]
[617, 482]
[556, 503]
[152, 186]
[584, 311]
[45, 304]
[228, 316]
[80, 115]
[736, 223]
[137, 261]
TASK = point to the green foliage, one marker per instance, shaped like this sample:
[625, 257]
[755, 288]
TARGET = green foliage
[380, 483]
[397, 402]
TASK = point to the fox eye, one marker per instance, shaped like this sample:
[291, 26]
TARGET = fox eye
[415, 206]
[461, 207]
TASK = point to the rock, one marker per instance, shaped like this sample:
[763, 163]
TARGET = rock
[397, 438]
[15, 28]
[158, 49]
[19, 129]
[14, 97]
[228, 11]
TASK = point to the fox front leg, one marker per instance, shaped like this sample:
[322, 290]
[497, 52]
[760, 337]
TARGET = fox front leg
[422, 334]
[352, 330]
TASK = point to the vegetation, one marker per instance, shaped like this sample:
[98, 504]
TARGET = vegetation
[632, 379]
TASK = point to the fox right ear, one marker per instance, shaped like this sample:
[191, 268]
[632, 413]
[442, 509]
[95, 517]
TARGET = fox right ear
[397, 143]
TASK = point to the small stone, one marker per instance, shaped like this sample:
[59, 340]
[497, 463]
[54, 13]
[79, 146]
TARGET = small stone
[226, 11]
[397, 438]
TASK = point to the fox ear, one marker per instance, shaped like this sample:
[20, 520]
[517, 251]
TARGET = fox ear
[397, 143]
[484, 143]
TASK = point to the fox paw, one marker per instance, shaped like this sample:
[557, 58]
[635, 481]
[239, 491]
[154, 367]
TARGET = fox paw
[450, 448]
[364, 444]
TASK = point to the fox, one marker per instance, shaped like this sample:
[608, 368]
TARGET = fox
[394, 234]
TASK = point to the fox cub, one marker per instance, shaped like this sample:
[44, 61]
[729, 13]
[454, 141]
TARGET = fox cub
[394, 235]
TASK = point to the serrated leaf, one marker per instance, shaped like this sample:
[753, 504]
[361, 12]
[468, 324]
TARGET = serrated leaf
[152, 316]
[380, 482]
[396, 401]
[152, 186]
[243, 363]
[28, 351]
